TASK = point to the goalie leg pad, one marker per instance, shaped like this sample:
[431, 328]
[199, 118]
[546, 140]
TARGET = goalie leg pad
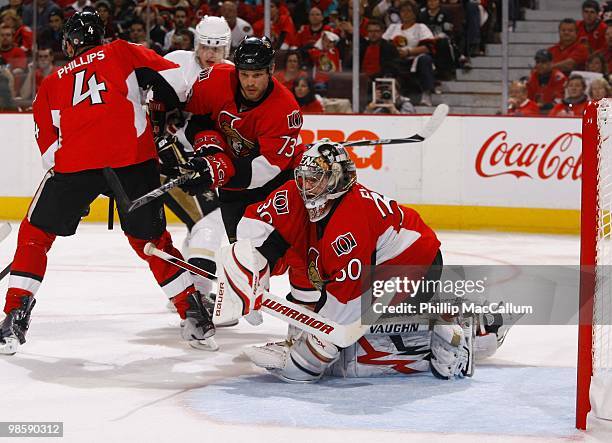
[450, 353]
[243, 276]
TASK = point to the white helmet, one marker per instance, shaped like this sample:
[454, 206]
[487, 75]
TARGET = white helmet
[325, 173]
[214, 31]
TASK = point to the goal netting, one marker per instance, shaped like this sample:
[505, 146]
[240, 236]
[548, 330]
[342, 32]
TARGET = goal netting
[595, 330]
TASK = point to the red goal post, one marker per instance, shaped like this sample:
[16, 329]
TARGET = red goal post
[594, 383]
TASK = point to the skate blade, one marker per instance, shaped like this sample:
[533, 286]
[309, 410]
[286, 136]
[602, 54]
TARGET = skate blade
[9, 347]
[208, 344]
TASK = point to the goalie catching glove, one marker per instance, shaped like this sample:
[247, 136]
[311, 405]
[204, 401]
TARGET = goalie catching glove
[211, 164]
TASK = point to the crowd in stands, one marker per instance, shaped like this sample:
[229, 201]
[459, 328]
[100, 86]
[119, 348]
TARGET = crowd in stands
[571, 72]
[418, 43]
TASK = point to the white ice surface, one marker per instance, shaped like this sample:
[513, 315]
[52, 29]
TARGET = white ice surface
[104, 356]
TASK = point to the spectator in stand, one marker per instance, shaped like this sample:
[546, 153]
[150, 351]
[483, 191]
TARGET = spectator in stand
[282, 29]
[79, 5]
[123, 15]
[110, 30]
[22, 34]
[607, 51]
[569, 54]
[591, 30]
[379, 58]
[401, 105]
[292, 70]
[308, 34]
[546, 85]
[188, 39]
[599, 88]
[519, 104]
[12, 54]
[597, 63]
[325, 57]
[177, 43]
[440, 24]
[138, 35]
[303, 91]
[157, 31]
[181, 22]
[344, 24]
[327, 7]
[171, 5]
[387, 11]
[7, 98]
[45, 7]
[240, 28]
[15, 5]
[51, 35]
[574, 103]
[410, 38]
[43, 67]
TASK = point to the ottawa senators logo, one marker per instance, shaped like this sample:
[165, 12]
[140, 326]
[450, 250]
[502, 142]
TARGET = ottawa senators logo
[400, 41]
[294, 120]
[313, 269]
[344, 244]
[241, 146]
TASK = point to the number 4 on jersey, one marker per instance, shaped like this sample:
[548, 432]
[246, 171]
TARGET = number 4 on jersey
[92, 92]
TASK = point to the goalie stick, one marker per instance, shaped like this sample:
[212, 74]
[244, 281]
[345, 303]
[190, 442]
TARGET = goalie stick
[5, 230]
[126, 205]
[294, 314]
[123, 201]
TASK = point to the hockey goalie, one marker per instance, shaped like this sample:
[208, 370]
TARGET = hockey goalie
[326, 229]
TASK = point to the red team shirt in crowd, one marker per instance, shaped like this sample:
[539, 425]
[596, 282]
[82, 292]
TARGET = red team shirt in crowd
[565, 110]
[526, 109]
[594, 40]
[576, 51]
[306, 36]
[550, 92]
[284, 24]
[16, 57]
[88, 114]
[267, 134]
[364, 229]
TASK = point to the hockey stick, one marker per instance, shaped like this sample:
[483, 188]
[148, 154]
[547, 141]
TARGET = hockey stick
[5, 230]
[431, 126]
[294, 314]
[123, 201]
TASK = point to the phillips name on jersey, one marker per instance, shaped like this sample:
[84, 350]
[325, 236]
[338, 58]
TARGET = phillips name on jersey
[89, 114]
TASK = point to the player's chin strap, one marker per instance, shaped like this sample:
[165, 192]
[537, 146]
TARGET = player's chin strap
[292, 313]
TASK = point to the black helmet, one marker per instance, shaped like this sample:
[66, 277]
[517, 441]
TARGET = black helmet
[254, 53]
[83, 29]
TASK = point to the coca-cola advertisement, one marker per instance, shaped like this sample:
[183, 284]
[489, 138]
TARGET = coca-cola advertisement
[523, 162]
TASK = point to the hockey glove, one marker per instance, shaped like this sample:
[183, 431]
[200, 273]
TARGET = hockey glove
[203, 179]
[171, 155]
[450, 352]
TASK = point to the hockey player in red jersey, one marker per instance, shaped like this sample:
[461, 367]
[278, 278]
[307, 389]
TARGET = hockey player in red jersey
[89, 116]
[244, 129]
[331, 230]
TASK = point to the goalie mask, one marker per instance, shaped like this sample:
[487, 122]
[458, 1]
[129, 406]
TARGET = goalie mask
[325, 173]
[214, 32]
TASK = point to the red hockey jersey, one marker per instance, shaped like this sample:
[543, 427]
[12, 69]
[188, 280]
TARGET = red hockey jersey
[364, 229]
[263, 139]
[89, 114]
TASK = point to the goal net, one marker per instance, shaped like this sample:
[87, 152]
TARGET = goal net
[594, 391]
